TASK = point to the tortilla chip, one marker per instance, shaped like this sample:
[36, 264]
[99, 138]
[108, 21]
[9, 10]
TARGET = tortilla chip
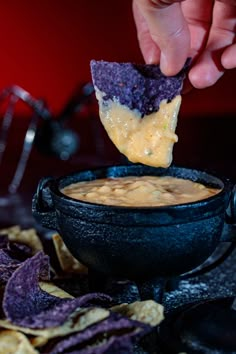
[77, 321]
[38, 341]
[138, 107]
[13, 342]
[68, 263]
[15, 229]
[148, 311]
[54, 290]
[27, 305]
[28, 237]
[140, 87]
[115, 334]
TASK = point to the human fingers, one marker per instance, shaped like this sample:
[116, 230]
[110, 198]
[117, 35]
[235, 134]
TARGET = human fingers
[228, 58]
[210, 65]
[168, 30]
[198, 14]
[149, 49]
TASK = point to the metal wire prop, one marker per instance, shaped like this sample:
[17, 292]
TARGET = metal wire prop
[12, 95]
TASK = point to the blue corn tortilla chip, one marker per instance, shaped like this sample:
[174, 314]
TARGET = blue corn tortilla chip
[19, 251]
[27, 305]
[6, 273]
[140, 87]
[116, 334]
[11, 256]
[6, 259]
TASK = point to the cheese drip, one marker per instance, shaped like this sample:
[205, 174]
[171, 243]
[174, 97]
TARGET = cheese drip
[148, 140]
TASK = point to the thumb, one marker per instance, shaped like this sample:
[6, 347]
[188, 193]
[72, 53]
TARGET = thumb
[168, 30]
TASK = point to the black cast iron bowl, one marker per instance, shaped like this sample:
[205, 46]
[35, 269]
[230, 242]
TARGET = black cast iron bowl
[137, 243]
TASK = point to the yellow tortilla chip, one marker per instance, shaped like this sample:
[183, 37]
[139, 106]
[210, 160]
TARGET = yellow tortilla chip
[78, 321]
[38, 342]
[13, 342]
[28, 237]
[148, 311]
[54, 290]
[68, 263]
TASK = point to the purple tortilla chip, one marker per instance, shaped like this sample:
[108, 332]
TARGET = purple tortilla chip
[22, 296]
[8, 265]
[6, 273]
[6, 259]
[15, 250]
[19, 251]
[140, 87]
[120, 332]
[26, 304]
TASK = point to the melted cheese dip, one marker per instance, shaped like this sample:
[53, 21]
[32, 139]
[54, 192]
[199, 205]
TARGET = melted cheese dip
[148, 140]
[139, 191]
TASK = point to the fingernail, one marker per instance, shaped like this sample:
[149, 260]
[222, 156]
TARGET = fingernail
[167, 66]
[164, 64]
[152, 56]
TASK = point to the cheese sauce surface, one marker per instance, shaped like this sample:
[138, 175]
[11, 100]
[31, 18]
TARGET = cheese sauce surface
[148, 140]
[139, 191]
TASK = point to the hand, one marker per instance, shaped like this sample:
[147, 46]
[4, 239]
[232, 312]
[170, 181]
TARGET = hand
[169, 31]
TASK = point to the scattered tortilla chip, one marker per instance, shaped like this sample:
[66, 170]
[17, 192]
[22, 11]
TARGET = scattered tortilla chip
[115, 334]
[13, 342]
[11, 256]
[54, 290]
[15, 229]
[6, 260]
[23, 298]
[26, 304]
[78, 320]
[41, 315]
[6, 273]
[148, 311]
[68, 263]
[28, 237]
[38, 341]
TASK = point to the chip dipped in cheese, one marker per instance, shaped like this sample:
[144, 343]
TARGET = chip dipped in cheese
[138, 107]
[148, 140]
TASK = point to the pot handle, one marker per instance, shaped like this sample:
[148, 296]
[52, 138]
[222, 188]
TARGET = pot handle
[42, 205]
[229, 231]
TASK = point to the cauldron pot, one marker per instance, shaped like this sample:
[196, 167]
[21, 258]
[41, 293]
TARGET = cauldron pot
[137, 243]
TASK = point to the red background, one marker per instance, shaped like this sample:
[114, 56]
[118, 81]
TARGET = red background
[46, 47]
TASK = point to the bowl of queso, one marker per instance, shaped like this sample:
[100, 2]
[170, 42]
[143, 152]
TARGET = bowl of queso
[136, 221]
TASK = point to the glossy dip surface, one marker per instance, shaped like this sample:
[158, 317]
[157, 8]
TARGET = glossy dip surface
[139, 191]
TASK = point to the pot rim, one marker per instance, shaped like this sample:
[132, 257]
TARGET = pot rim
[56, 189]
